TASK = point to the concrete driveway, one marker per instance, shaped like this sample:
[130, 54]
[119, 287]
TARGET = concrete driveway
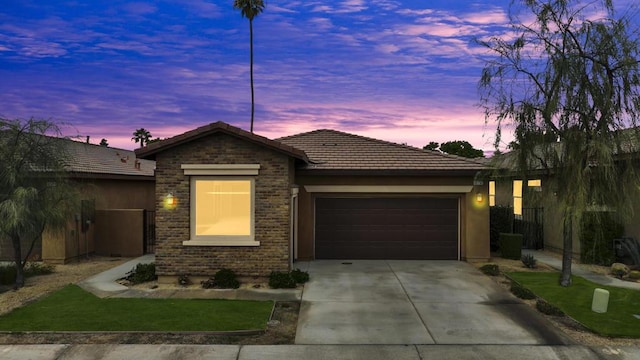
[414, 302]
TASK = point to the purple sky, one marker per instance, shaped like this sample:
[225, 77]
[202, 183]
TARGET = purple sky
[400, 70]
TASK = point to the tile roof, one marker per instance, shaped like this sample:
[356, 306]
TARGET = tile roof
[149, 151]
[335, 150]
[95, 159]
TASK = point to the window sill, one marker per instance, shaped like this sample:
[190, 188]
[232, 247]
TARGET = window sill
[221, 243]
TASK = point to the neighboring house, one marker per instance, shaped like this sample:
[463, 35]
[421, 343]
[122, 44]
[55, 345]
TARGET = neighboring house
[117, 202]
[227, 198]
[534, 206]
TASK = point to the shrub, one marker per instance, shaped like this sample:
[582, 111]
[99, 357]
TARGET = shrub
[8, 271]
[546, 308]
[280, 280]
[634, 275]
[226, 279]
[142, 273]
[500, 221]
[511, 246]
[597, 234]
[299, 276]
[521, 291]
[490, 269]
[183, 280]
[619, 270]
[529, 261]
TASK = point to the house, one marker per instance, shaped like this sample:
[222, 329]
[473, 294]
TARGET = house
[227, 198]
[117, 202]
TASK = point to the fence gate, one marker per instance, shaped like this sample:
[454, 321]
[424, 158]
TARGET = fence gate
[531, 227]
[149, 231]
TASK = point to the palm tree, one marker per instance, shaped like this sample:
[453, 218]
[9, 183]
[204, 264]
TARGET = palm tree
[141, 136]
[250, 9]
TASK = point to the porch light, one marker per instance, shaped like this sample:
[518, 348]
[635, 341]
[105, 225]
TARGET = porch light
[170, 200]
[479, 197]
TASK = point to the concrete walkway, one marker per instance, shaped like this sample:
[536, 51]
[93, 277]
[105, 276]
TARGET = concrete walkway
[314, 352]
[578, 269]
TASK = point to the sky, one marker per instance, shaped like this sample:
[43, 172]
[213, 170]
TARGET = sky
[404, 71]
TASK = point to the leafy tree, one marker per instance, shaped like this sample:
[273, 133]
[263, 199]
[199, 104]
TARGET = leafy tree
[35, 193]
[141, 136]
[432, 145]
[573, 76]
[250, 9]
[461, 148]
[104, 142]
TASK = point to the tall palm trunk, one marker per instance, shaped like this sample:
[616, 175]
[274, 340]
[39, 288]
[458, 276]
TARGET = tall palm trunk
[251, 69]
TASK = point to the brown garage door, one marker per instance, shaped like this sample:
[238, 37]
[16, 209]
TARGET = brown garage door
[386, 228]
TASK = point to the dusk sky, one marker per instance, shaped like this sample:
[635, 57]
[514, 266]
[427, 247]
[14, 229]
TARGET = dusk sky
[399, 70]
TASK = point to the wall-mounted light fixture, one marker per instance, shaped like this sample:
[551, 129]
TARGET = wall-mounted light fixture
[479, 197]
[170, 201]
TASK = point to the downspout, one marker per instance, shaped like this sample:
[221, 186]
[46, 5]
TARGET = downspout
[293, 230]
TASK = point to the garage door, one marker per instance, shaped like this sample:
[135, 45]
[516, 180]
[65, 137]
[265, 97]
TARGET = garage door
[386, 228]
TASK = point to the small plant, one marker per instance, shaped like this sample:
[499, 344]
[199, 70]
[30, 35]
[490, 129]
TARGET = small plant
[280, 280]
[8, 271]
[529, 261]
[142, 273]
[619, 270]
[634, 275]
[299, 276]
[208, 284]
[548, 309]
[490, 269]
[521, 291]
[183, 280]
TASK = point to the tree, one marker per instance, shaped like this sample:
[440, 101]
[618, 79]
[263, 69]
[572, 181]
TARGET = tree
[104, 142]
[250, 9]
[432, 145]
[35, 193]
[461, 148]
[573, 76]
[141, 136]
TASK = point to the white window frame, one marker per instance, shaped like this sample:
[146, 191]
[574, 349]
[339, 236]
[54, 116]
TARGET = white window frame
[209, 172]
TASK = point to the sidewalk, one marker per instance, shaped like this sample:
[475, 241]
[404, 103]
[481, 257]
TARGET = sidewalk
[578, 269]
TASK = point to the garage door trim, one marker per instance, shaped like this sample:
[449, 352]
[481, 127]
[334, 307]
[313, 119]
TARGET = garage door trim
[416, 189]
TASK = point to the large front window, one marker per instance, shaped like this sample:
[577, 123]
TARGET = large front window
[222, 211]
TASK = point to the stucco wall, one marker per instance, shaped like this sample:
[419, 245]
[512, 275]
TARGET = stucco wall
[272, 210]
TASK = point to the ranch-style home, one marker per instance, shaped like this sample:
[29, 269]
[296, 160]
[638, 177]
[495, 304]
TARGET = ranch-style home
[228, 198]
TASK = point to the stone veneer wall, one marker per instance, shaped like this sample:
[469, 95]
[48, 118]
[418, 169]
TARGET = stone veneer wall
[272, 210]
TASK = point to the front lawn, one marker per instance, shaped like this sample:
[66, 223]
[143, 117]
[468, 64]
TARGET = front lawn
[73, 309]
[575, 301]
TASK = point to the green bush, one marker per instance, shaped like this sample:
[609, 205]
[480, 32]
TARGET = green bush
[521, 291]
[280, 280]
[490, 269]
[8, 271]
[299, 276]
[511, 246]
[529, 261]
[500, 221]
[226, 279]
[597, 233]
[546, 308]
[142, 273]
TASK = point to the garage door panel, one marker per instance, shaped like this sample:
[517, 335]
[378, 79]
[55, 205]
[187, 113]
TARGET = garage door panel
[386, 228]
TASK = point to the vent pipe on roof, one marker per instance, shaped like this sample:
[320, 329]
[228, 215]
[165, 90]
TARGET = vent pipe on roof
[88, 139]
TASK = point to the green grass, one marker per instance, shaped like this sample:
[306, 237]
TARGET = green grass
[575, 301]
[73, 309]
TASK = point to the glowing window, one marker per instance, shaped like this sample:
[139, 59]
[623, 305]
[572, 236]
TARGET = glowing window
[222, 211]
[517, 197]
[534, 183]
[492, 193]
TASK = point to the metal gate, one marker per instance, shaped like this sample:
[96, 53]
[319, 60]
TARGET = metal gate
[149, 232]
[531, 226]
